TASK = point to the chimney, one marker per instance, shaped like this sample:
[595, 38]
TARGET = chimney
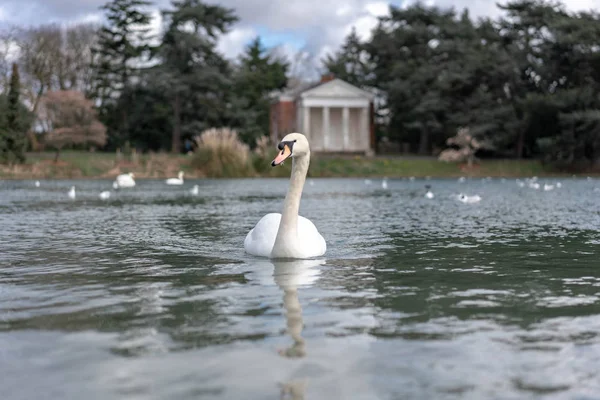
[327, 78]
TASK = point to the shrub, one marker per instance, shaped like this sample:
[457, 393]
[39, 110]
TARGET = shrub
[221, 153]
[263, 155]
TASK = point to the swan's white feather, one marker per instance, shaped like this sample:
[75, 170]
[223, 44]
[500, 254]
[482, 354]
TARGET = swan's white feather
[261, 239]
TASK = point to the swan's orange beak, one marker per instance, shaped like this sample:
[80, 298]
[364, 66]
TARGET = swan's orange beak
[285, 152]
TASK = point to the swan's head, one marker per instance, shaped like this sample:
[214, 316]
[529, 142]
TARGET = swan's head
[131, 175]
[180, 174]
[292, 145]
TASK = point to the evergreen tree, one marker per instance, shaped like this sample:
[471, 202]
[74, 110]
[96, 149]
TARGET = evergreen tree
[122, 43]
[351, 63]
[410, 52]
[258, 75]
[194, 76]
[14, 122]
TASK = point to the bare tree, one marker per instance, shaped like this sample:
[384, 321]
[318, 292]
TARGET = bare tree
[56, 58]
[77, 57]
[70, 119]
[40, 60]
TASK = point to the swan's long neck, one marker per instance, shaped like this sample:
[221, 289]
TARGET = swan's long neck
[288, 227]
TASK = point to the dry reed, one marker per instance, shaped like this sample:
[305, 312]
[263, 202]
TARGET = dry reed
[222, 154]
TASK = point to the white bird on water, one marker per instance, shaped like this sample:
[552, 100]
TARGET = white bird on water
[384, 184]
[287, 234]
[105, 195]
[548, 187]
[176, 181]
[125, 180]
[429, 194]
[72, 192]
[195, 190]
[469, 199]
[37, 183]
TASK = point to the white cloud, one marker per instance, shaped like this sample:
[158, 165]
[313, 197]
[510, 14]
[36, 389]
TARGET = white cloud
[233, 43]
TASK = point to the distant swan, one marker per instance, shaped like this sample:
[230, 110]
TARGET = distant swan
[176, 181]
[72, 192]
[125, 180]
[469, 199]
[194, 190]
[429, 193]
[288, 235]
[384, 184]
[104, 195]
[37, 184]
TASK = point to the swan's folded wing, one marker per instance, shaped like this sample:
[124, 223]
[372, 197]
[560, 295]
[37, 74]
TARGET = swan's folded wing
[310, 237]
[261, 238]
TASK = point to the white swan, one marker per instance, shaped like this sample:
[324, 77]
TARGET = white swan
[429, 194]
[176, 181]
[194, 190]
[548, 187]
[125, 180]
[37, 183]
[72, 192]
[469, 199]
[105, 195]
[288, 235]
[384, 184]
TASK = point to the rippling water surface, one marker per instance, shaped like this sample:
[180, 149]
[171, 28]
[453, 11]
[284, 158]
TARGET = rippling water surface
[149, 295]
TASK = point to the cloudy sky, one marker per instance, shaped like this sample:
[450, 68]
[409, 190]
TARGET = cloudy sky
[314, 25]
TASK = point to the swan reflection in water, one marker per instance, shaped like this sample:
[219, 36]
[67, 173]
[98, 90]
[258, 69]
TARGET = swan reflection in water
[291, 275]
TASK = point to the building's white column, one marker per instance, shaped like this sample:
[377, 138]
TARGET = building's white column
[306, 121]
[365, 128]
[346, 127]
[325, 128]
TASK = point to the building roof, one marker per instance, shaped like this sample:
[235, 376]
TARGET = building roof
[304, 88]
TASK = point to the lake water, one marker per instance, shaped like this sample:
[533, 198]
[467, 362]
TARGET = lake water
[149, 295]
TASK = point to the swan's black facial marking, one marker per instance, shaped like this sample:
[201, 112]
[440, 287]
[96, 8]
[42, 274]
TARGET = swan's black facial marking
[290, 144]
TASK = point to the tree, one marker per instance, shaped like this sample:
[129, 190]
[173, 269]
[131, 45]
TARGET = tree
[70, 119]
[351, 63]
[409, 66]
[259, 74]
[122, 45]
[40, 59]
[14, 121]
[524, 30]
[195, 77]
[8, 38]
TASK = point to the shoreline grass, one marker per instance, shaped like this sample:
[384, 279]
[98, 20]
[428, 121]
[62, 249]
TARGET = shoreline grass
[99, 165]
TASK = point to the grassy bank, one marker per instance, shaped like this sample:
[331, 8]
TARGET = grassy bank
[74, 164]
